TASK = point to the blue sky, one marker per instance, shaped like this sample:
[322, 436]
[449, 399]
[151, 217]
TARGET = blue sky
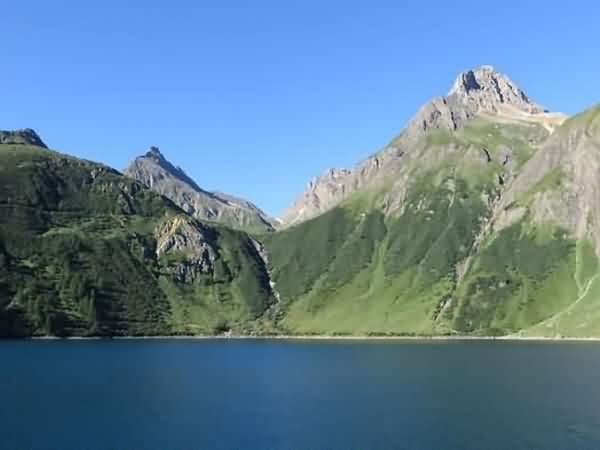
[255, 97]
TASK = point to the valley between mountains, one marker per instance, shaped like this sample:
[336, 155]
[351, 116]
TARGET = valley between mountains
[482, 217]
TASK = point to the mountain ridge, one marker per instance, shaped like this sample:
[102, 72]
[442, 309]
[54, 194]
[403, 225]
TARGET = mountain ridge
[154, 170]
[474, 93]
[85, 250]
[22, 136]
[479, 219]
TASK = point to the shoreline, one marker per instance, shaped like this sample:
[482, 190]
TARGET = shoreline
[320, 338]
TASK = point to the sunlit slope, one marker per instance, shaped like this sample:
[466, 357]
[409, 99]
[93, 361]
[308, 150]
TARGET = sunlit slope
[491, 230]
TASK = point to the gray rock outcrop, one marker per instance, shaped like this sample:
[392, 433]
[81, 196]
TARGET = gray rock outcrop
[559, 184]
[189, 243]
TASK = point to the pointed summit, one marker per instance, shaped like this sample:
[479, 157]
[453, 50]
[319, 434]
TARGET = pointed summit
[486, 89]
[155, 166]
[25, 136]
[478, 92]
[154, 152]
[155, 171]
[481, 92]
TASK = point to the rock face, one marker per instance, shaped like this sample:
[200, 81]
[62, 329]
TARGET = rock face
[559, 184]
[191, 242]
[486, 89]
[321, 193]
[475, 93]
[155, 171]
[21, 137]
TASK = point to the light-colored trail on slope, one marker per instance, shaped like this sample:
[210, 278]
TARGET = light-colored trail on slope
[552, 321]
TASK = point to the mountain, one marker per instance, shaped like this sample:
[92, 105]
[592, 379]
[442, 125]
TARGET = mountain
[155, 171]
[85, 250]
[482, 92]
[546, 228]
[480, 218]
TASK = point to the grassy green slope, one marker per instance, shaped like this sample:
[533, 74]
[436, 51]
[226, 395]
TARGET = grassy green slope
[372, 274]
[235, 297]
[535, 278]
[78, 256]
[354, 270]
[522, 276]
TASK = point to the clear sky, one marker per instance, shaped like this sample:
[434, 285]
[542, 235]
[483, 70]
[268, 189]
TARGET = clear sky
[255, 97]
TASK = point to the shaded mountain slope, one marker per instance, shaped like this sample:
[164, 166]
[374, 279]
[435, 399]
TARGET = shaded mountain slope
[85, 250]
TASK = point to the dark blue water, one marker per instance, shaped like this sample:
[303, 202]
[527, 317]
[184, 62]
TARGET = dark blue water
[298, 394]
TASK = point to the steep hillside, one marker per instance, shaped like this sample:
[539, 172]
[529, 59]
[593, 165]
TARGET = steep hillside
[87, 251]
[486, 225]
[536, 272]
[155, 171]
[390, 258]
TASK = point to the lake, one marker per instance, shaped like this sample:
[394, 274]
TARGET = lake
[298, 394]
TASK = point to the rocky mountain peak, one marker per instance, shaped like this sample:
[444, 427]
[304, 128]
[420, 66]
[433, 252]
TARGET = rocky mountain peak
[25, 136]
[154, 153]
[468, 81]
[476, 93]
[152, 167]
[155, 171]
[487, 89]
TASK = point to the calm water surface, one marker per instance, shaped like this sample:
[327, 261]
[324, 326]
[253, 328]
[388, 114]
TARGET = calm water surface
[277, 394]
